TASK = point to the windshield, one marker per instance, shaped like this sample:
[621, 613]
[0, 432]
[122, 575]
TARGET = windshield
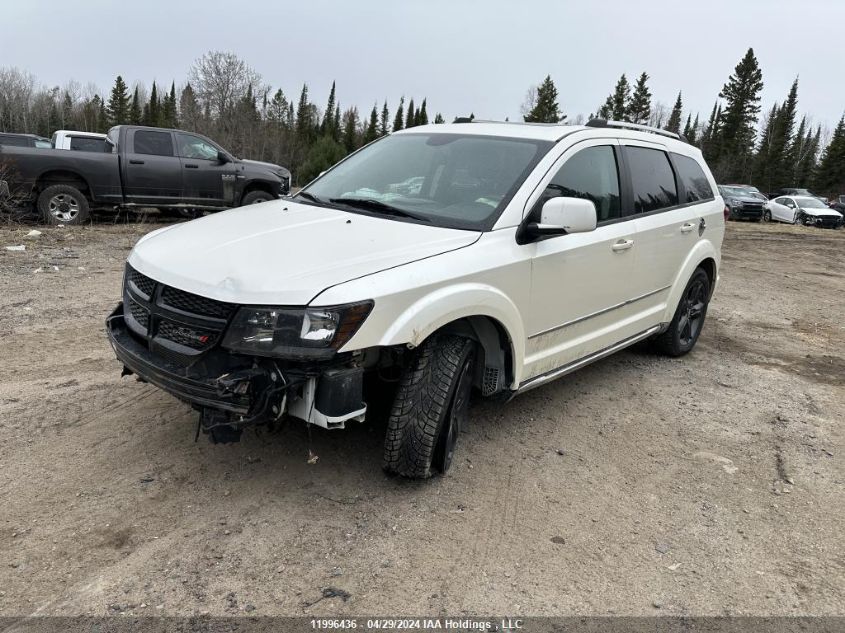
[452, 180]
[733, 191]
[810, 203]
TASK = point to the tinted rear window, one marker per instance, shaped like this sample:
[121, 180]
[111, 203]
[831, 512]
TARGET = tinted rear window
[87, 144]
[696, 185]
[652, 178]
[156, 143]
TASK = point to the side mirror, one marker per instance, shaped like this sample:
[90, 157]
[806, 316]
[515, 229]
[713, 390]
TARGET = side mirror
[561, 216]
[222, 158]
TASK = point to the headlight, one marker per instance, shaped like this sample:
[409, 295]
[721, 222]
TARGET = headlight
[295, 332]
[735, 202]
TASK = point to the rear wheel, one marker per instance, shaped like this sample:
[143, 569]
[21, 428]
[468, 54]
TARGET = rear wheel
[256, 197]
[767, 216]
[63, 204]
[431, 408]
[683, 332]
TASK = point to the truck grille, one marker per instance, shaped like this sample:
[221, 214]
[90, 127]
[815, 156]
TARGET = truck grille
[177, 323]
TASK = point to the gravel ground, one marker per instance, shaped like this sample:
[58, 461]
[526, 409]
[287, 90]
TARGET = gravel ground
[707, 485]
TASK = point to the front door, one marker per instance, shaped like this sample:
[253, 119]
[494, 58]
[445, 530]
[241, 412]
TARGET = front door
[207, 181]
[580, 282]
[152, 173]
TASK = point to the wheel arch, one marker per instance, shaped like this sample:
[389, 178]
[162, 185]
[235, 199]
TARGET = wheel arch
[257, 185]
[704, 255]
[62, 177]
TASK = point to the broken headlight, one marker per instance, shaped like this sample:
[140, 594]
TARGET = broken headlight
[303, 332]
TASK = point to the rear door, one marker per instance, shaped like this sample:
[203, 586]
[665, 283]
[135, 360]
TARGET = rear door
[667, 229]
[206, 180]
[152, 173]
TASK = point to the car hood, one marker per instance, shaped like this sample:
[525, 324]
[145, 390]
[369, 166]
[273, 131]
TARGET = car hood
[820, 212]
[272, 167]
[284, 253]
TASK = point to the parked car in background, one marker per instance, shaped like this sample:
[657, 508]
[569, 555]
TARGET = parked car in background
[754, 192]
[444, 259]
[143, 167]
[741, 204]
[838, 204]
[803, 210]
[804, 193]
[79, 141]
[24, 140]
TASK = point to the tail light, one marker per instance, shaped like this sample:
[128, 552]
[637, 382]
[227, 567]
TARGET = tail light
[727, 213]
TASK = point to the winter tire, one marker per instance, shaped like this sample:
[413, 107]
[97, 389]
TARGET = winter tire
[63, 204]
[430, 408]
[683, 332]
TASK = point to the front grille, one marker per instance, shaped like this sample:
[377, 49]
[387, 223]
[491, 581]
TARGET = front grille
[177, 323]
[142, 283]
[196, 304]
[139, 313]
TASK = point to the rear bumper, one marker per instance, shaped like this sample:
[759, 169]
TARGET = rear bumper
[170, 377]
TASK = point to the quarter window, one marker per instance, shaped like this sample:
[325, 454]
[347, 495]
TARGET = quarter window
[652, 178]
[590, 174]
[696, 185]
[155, 143]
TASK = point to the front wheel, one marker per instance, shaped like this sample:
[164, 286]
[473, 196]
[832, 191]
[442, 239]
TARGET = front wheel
[256, 197]
[431, 408]
[799, 219]
[683, 331]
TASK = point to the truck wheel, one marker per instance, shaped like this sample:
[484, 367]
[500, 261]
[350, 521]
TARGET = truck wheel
[682, 333]
[430, 408]
[256, 197]
[63, 204]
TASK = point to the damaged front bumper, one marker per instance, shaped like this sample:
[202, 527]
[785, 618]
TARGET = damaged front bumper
[239, 391]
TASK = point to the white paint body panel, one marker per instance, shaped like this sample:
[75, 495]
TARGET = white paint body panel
[558, 299]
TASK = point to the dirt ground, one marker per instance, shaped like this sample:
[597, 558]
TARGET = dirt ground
[707, 485]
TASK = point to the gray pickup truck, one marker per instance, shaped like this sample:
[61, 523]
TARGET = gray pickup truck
[140, 167]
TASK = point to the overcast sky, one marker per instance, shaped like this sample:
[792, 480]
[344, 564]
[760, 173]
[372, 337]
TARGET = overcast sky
[464, 56]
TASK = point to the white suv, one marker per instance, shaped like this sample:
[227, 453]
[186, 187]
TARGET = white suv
[435, 261]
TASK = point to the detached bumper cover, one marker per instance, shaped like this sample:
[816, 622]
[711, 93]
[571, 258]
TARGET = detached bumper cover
[171, 377]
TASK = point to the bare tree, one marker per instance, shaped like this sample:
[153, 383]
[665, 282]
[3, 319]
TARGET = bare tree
[222, 79]
[529, 102]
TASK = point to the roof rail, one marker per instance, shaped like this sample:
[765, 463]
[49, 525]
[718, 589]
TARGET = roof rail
[634, 126]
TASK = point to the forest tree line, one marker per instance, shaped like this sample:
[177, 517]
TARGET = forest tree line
[227, 100]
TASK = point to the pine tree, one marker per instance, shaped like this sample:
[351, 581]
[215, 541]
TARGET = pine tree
[423, 118]
[762, 163]
[189, 108]
[135, 109]
[383, 122]
[639, 108]
[438, 119]
[775, 161]
[329, 122]
[350, 129]
[67, 111]
[737, 126]
[102, 115]
[692, 135]
[336, 134]
[398, 121]
[371, 133]
[152, 111]
[304, 123]
[830, 175]
[118, 107]
[674, 122]
[168, 112]
[618, 101]
[545, 107]
[409, 118]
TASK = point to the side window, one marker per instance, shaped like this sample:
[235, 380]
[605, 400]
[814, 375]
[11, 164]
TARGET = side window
[696, 185]
[190, 146]
[87, 144]
[155, 143]
[652, 178]
[591, 174]
[14, 141]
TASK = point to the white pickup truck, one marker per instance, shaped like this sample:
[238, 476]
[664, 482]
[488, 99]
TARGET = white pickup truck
[79, 141]
[438, 261]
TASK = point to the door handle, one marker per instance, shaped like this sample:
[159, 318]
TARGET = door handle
[686, 228]
[622, 245]
[136, 162]
[192, 166]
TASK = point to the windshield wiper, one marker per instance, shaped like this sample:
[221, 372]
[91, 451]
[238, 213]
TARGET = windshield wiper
[378, 207]
[309, 196]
